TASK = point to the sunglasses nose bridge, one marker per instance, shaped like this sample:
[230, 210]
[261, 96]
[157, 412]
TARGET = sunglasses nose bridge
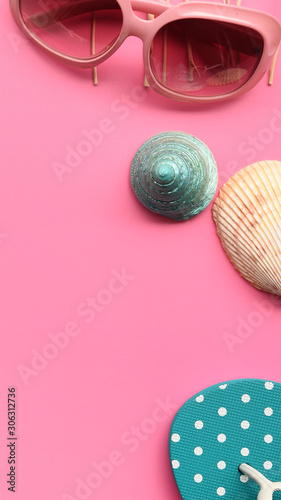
[141, 28]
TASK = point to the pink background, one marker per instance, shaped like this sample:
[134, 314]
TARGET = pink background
[104, 403]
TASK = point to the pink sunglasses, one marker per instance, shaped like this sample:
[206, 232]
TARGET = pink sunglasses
[193, 51]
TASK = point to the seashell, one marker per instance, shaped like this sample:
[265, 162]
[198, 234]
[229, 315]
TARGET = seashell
[174, 174]
[226, 77]
[247, 213]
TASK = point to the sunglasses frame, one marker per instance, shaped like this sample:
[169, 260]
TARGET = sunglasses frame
[266, 25]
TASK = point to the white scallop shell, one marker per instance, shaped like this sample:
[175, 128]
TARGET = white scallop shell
[247, 213]
[226, 77]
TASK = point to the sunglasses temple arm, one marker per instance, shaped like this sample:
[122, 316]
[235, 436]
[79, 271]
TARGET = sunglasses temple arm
[272, 68]
[165, 47]
[238, 2]
[93, 48]
[149, 17]
[191, 64]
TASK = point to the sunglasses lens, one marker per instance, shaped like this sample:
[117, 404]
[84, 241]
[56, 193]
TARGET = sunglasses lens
[205, 58]
[77, 28]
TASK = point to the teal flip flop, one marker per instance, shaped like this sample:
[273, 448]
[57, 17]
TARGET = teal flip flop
[226, 442]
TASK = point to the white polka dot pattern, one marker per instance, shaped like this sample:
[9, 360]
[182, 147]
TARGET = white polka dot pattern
[267, 465]
[244, 479]
[198, 478]
[229, 426]
[221, 491]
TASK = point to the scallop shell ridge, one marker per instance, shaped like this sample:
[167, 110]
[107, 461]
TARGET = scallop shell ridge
[174, 174]
[247, 213]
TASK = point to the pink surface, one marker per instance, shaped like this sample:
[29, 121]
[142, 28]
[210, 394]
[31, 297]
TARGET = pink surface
[169, 314]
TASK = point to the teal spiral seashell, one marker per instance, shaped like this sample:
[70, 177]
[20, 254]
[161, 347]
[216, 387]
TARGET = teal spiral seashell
[174, 174]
